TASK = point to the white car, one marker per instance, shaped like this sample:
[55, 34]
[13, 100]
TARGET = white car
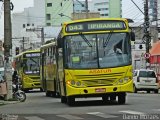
[145, 79]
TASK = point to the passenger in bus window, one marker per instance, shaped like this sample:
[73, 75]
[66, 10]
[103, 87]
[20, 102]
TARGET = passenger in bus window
[114, 50]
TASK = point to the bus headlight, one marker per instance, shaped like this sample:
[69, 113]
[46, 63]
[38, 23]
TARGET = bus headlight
[72, 82]
[121, 81]
[78, 83]
[126, 79]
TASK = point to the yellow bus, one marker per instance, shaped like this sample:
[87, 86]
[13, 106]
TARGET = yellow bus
[48, 69]
[94, 59]
[27, 64]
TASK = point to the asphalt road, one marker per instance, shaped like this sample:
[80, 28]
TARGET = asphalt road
[141, 106]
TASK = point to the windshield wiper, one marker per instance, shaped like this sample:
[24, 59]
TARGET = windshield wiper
[108, 38]
[85, 39]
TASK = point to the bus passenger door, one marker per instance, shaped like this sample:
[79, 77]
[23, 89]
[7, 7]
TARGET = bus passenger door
[61, 72]
[42, 71]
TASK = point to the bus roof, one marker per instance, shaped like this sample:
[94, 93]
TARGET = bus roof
[48, 45]
[27, 51]
[93, 19]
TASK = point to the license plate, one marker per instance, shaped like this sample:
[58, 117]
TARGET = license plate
[97, 90]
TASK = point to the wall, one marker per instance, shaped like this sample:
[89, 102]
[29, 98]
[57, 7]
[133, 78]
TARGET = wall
[115, 9]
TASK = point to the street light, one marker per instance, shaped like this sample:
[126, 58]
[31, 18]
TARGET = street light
[61, 14]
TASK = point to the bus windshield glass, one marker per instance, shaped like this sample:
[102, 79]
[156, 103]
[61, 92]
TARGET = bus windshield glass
[32, 63]
[97, 50]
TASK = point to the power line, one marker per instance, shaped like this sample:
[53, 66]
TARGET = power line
[138, 7]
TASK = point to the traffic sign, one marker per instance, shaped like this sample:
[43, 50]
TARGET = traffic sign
[147, 55]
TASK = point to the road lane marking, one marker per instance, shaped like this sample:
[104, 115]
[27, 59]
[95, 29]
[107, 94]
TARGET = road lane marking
[33, 118]
[99, 114]
[132, 112]
[70, 117]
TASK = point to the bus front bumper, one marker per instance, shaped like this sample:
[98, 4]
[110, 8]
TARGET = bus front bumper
[89, 91]
[32, 85]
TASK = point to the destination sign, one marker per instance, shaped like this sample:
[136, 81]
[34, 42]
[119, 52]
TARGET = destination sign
[32, 54]
[95, 26]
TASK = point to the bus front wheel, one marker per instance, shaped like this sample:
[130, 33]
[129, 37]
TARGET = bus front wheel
[121, 98]
[63, 99]
[70, 100]
[105, 98]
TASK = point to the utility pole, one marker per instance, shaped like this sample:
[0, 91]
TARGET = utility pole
[7, 48]
[42, 36]
[86, 1]
[21, 39]
[146, 30]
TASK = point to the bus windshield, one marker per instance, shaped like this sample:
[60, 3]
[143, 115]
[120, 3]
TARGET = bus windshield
[97, 50]
[32, 65]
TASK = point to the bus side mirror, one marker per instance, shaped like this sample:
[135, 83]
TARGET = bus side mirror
[132, 36]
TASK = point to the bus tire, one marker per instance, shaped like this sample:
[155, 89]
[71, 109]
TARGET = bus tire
[112, 97]
[48, 94]
[105, 98]
[53, 94]
[41, 90]
[63, 99]
[70, 100]
[122, 98]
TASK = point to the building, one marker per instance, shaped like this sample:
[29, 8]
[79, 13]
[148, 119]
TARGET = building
[58, 11]
[106, 8]
[138, 48]
[115, 8]
[31, 17]
[79, 6]
[153, 10]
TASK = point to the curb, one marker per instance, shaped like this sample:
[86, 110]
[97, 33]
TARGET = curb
[8, 102]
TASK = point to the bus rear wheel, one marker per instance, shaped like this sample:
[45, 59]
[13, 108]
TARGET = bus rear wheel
[41, 90]
[122, 98]
[70, 100]
[48, 94]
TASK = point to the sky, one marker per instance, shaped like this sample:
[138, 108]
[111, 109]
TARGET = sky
[129, 10]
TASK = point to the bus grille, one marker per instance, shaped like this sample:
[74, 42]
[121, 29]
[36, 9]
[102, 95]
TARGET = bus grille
[100, 79]
[35, 77]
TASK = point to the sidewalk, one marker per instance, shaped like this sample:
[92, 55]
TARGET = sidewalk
[4, 102]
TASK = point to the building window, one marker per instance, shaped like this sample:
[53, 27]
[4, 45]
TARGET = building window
[48, 24]
[48, 16]
[49, 4]
[24, 25]
[28, 24]
[32, 24]
[104, 14]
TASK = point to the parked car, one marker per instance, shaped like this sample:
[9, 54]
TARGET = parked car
[145, 79]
